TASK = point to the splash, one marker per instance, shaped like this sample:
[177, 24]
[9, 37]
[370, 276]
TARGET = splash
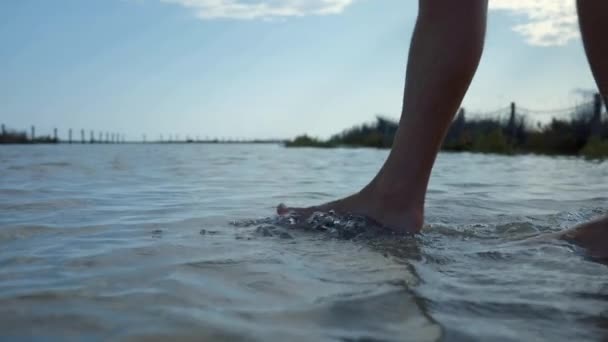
[330, 224]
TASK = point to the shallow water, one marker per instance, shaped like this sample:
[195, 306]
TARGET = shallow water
[158, 241]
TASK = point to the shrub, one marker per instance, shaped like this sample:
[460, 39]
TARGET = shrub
[595, 148]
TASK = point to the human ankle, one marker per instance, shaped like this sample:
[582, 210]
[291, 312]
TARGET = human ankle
[395, 196]
[395, 207]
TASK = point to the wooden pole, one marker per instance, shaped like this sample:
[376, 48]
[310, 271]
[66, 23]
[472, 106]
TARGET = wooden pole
[33, 133]
[82, 136]
[512, 125]
[55, 135]
[3, 130]
[70, 136]
[92, 137]
[596, 122]
[597, 107]
[460, 118]
[107, 137]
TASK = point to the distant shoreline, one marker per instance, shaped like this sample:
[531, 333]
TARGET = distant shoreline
[584, 134]
[39, 142]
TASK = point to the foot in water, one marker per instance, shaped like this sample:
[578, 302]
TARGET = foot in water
[592, 236]
[384, 209]
[390, 213]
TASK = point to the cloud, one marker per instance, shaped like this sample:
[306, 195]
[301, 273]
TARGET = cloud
[544, 22]
[261, 9]
[547, 22]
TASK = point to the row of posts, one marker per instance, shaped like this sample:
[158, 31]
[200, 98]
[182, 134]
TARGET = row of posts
[595, 123]
[102, 138]
[115, 138]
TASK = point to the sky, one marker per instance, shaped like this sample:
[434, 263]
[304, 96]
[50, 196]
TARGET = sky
[245, 69]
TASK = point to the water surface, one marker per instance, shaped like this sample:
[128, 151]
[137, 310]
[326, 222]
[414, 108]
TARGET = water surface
[178, 241]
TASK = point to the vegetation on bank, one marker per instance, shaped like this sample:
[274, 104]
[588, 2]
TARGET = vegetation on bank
[584, 133]
[306, 141]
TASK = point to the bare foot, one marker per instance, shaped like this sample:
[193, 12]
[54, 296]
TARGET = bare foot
[592, 236]
[383, 209]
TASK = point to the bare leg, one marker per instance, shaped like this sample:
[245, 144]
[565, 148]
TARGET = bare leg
[593, 18]
[444, 54]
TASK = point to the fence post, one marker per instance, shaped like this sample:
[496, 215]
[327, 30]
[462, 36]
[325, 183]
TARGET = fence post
[461, 113]
[3, 130]
[70, 136]
[82, 136]
[33, 133]
[596, 122]
[597, 106]
[55, 135]
[92, 137]
[460, 118]
[511, 127]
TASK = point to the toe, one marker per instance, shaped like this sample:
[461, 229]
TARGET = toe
[282, 209]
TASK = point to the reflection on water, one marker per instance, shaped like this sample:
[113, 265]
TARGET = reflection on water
[179, 241]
